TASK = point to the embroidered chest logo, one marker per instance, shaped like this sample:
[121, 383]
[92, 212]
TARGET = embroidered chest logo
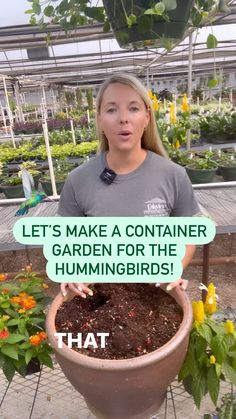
[156, 207]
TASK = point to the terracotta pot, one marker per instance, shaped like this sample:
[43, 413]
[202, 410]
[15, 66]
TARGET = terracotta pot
[130, 388]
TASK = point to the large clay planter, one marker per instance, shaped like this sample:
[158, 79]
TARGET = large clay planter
[124, 389]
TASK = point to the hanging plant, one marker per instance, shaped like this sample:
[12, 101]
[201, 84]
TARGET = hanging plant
[135, 23]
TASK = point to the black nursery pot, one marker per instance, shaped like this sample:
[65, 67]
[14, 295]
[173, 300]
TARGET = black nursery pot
[33, 366]
[149, 29]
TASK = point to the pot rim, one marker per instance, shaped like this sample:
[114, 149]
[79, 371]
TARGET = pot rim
[123, 364]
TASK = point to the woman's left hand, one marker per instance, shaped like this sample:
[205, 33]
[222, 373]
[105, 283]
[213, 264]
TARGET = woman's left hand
[182, 283]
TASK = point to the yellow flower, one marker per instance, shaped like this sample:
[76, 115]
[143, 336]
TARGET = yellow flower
[177, 144]
[212, 359]
[150, 94]
[155, 103]
[45, 285]
[210, 303]
[21, 311]
[172, 113]
[229, 326]
[198, 312]
[185, 105]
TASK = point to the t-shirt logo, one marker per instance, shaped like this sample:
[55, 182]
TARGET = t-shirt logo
[156, 207]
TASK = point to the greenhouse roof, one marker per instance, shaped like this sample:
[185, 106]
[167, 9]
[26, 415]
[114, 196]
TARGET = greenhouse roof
[88, 55]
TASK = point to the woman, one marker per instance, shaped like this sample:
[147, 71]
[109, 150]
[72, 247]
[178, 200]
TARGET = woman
[132, 175]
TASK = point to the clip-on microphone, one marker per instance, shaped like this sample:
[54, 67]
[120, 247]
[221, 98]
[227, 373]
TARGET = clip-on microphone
[107, 176]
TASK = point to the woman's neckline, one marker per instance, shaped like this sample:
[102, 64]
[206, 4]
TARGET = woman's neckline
[132, 172]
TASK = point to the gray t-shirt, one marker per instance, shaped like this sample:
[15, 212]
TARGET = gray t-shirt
[158, 187]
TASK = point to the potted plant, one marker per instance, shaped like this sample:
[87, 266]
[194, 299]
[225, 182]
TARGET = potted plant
[211, 353]
[61, 170]
[32, 168]
[202, 170]
[23, 341]
[183, 158]
[218, 128]
[131, 388]
[227, 409]
[227, 166]
[3, 173]
[12, 187]
[135, 23]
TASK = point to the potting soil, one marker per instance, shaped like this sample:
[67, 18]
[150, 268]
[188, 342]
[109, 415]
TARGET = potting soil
[139, 318]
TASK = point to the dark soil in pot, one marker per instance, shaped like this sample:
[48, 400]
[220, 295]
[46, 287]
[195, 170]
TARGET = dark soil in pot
[138, 320]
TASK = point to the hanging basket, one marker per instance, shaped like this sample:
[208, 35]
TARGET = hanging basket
[149, 30]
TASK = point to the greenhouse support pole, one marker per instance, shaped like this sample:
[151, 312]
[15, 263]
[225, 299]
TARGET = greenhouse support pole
[219, 104]
[19, 107]
[9, 112]
[44, 101]
[72, 131]
[50, 165]
[88, 116]
[190, 65]
[12, 137]
[4, 119]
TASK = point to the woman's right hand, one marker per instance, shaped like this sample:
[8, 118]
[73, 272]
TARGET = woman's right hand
[80, 289]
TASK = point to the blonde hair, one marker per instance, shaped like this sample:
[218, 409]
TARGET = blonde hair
[150, 139]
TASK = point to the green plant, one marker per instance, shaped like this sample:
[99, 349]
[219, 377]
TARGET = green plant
[79, 98]
[176, 129]
[3, 170]
[70, 98]
[205, 162]
[89, 96]
[180, 157]
[71, 14]
[227, 159]
[218, 125]
[30, 166]
[12, 181]
[227, 409]
[211, 355]
[22, 322]
[61, 170]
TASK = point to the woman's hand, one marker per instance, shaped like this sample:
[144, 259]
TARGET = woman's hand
[182, 283]
[80, 289]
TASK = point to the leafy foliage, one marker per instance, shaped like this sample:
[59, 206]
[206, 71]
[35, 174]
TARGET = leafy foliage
[211, 353]
[22, 322]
